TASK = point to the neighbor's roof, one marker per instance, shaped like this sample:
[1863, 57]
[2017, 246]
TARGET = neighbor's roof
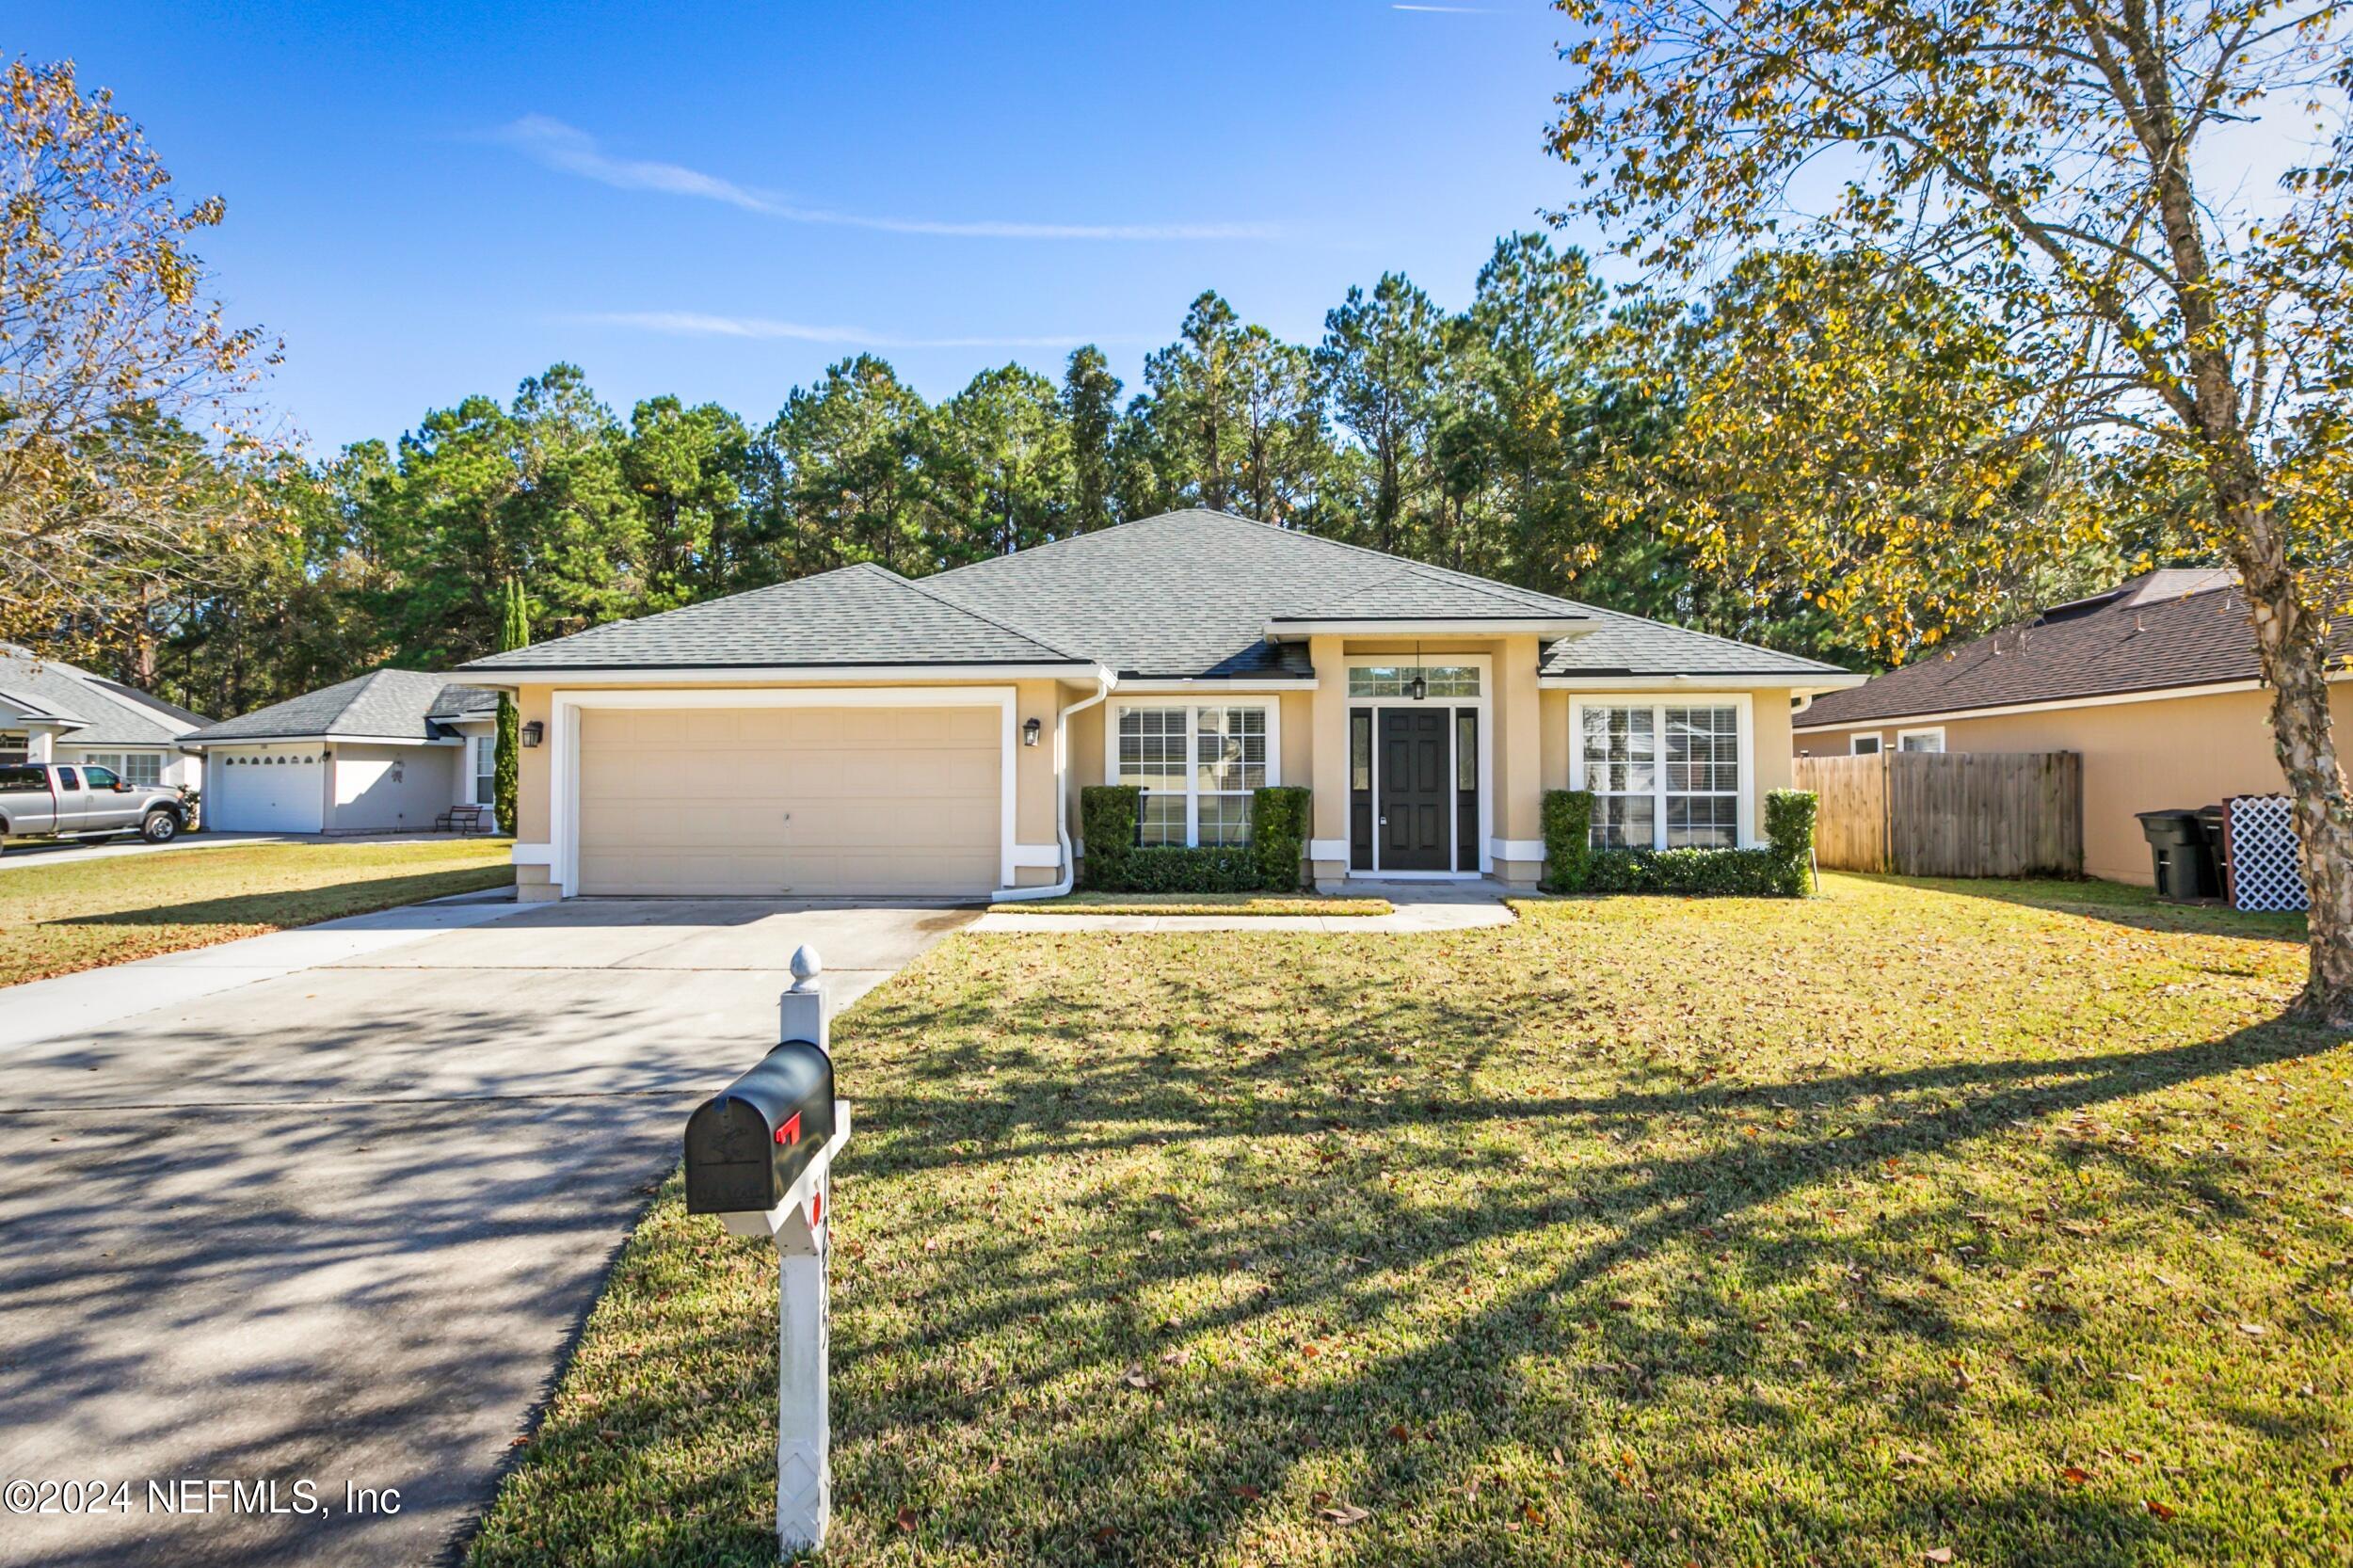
[108, 714]
[856, 615]
[400, 705]
[2151, 633]
[1184, 594]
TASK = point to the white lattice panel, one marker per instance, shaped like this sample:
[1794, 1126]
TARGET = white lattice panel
[2261, 831]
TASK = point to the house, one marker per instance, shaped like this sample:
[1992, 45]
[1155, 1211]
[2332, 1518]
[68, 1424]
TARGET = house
[2154, 682]
[858, 732]
[380, 752]
[53, 711]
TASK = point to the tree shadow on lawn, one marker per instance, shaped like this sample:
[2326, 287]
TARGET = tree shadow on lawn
[301, 906]
[1658, 1347]
[2118, 903]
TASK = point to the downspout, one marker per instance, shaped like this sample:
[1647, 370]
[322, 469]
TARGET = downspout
[1104, 681]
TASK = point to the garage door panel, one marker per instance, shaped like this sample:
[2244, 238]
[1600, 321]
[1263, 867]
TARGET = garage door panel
[817, 800]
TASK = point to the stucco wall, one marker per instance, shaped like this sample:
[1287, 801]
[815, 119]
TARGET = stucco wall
[2187, 751]
[381, 789]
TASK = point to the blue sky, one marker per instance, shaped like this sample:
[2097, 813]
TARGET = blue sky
[431, 201]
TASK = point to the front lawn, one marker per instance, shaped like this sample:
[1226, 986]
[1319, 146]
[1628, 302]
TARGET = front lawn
[57, 919]
[1902, 1222]
[1196, 904]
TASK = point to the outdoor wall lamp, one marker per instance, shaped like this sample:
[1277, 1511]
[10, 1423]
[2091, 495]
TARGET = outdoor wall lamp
[1030, 731]
[533, 732]
[1419, 687]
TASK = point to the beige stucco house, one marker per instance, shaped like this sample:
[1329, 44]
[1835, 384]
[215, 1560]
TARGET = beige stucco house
[387, 752]
[860, 732]
[53, 711]
[2155, 682]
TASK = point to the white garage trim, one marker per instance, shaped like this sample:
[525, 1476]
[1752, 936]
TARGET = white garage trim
[564, 708]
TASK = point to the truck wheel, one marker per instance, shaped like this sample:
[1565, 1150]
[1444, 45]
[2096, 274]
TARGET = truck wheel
[160, 827]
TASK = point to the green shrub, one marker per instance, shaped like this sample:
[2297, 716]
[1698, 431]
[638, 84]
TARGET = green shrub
[1735, 873]
[1789, 816]
[1780, 869]
[1108, 814]
[1115, 862]
[1568, 839]
[1171, 869]
[1278, 830]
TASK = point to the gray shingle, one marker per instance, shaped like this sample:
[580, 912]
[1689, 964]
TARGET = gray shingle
[860, 614]
[2160, 630]
[111, 715]
[1188, 593]
[398, 705]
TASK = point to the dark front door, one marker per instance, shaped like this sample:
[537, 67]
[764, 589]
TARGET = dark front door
[1417, 789]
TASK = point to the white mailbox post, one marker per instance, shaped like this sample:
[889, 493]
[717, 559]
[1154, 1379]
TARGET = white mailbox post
[751, 1144]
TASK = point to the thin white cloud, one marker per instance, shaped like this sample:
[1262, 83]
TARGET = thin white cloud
[573, 151]
[696, 324]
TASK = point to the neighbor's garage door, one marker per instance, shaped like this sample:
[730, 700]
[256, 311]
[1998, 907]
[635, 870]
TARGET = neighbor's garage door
[789, 800]
[278, 788]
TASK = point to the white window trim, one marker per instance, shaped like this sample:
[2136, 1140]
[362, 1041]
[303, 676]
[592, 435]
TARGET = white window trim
[1745, 834]
[473, 775]
[563, 737]
[1935, 729]
[1269, 705]
[1483, 702]
[1854, 744]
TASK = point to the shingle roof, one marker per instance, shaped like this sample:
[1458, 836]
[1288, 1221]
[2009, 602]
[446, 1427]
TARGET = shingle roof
[1192, 593]
[860, 614]
[1189, 593]
[2160, 630]
[110, 714]
[401, 705]
[463, 702]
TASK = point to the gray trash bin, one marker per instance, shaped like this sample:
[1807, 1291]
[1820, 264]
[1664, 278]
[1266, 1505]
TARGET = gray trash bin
[2177, 847]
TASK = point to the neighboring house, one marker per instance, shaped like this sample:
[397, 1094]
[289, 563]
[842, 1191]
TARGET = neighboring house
[857, 732]
[53, 711]
[2155, 682]
[381, 753]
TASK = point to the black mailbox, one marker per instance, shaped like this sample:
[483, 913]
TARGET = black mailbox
[747, 1145]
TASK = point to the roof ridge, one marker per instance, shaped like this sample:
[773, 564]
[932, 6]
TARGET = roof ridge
[1607, 613]
[1506, 591]
[1021, 631]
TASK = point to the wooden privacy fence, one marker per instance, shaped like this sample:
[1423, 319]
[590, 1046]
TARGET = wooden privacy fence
[1959, 814]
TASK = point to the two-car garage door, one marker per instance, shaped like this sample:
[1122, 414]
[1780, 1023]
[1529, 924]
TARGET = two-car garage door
[818, 801]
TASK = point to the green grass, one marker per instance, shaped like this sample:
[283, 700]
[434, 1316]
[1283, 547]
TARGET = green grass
[1196, 904]
[1646, 1231]
[57, 919]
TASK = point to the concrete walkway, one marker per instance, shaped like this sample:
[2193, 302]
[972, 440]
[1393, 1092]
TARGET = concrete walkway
[1419, 906]
[33, 853]
[340, 1224]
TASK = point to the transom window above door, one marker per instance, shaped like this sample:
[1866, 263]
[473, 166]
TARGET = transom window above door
[1663, 775]
[1196, 766]
[1398, 680]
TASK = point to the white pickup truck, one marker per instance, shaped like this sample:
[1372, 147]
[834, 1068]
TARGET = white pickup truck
[39, 800]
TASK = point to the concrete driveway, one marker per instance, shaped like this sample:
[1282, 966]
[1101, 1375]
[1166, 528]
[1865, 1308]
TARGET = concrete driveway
[339, 1226]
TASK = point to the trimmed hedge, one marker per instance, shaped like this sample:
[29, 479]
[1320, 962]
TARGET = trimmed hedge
[1778, 871]
[1108, 815]
[1568, 839]
[1278, 831]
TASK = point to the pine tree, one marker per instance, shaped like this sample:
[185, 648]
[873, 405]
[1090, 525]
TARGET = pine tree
[514, 632]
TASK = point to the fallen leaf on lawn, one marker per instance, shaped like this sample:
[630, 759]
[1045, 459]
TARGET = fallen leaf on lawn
[1309, 1351]
[1348, 1513]
[1250, 1492]
[1170, 1358]
[1905, 1456]
[1400, 1432]
[1134, 1377]
[2255, 1328]
[1107, 1533]
[2156, 1508]
[1939, 1554]
[2337, 1476]
[2075, 1475]
[907, 1520]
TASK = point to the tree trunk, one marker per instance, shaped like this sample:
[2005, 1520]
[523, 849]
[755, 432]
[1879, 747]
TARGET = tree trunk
[2294, 657]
